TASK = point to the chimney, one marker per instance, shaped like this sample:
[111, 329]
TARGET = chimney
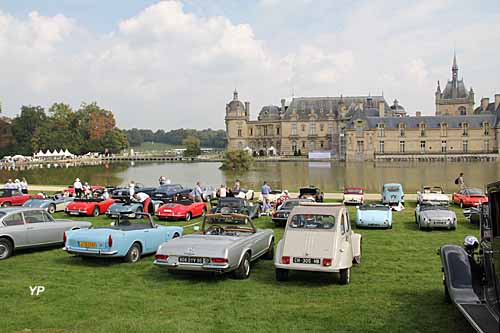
[283, 101]
[418, 114]
[497, 101]
[381, 109]
[485, 101]
[247, 108]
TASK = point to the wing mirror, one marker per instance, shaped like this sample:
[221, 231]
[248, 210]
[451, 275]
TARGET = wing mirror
[196, 228]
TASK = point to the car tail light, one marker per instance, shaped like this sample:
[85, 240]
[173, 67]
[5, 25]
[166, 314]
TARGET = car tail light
[110, 241]
[219, 260]
[161, 257]
[285, 260]
[64, 237]
[327, 261]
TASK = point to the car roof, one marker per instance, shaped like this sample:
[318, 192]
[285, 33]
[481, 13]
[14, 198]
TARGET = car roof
[18, 209]
[318, 209]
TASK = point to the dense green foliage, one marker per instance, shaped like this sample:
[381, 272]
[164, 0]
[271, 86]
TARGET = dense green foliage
[90, 128]
[237, 160]
[208, 137]
[397, 288]
[192, 145]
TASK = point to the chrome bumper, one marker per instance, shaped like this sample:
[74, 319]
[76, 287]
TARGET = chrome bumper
[192, 267]
[89, 252]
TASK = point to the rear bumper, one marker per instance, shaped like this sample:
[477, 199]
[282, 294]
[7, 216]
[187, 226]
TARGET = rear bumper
[193, 267]
[438, 225]
[310, 268]
[76, 212]
[89, 252]
[373, 225]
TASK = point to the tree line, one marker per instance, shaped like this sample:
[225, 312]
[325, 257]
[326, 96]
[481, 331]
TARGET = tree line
[208, 137]
[88, 129]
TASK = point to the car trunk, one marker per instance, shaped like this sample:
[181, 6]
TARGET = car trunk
[200, 245]
[373, 216]
[309, 244]
[90, 238]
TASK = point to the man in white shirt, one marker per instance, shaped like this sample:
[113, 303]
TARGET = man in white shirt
[78, 187]
[145, 200]
[131, 189]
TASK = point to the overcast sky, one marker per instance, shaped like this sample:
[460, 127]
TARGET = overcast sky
[175, 64]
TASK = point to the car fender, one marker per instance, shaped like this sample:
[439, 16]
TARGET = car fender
[356, 244]
[457, 272]
[279, 251]
[10, 238]
[245, 250]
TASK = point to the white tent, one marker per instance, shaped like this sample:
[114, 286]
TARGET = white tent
[271, 150]
[48, 153]
[61, 152]
[67, 154]
[248, 149]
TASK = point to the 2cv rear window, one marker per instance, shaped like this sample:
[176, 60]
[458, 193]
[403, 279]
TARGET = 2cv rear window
[311, 221]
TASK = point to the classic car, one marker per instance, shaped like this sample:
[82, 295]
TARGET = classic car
[12, 197]
[280, 216]
[208, 193]
[227, 206]
[473, 214]
[318, 238]
[435, 216]
[23, 227]
[392, 194]
[70, 191]
[243, 194]
[226, 243]
[124, 193]
[273, 196]
[122, 238]
[131, 208]
[432, 195]
[353, 195]
[169, 192]
[54, 203]
[89, 207]
[311, 192]
[469, 197]
[374, 216]
[181, 209]
[471, 273]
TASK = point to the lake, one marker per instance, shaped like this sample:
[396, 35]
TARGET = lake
[329, 176]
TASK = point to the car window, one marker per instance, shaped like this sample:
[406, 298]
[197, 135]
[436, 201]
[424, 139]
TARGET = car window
[392, 188]
[311, 221]
[342, 224]
[34, 217]
[47, 217]
[14, 219]
[347, 224]
[4, 193]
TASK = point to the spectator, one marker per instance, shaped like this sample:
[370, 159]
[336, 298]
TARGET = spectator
[8, 184]
[198, 192]
[236, 188]
[87, 190]
[222, 191]
[162, 180]
[145, 200]
[105, 194]
[78, 187]
[131, 189]
[266, 207]
[460, 181]
[265, 190]
[24, 186]
[17, 185]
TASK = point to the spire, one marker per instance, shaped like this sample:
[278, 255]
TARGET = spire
[455, 66]
[235, 95]
[438, 87]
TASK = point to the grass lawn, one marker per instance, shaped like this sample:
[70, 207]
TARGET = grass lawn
[397, 288]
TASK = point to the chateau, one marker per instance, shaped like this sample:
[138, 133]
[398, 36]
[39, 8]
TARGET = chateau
[368, 128]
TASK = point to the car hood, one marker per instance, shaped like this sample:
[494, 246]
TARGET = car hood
[199, 245]
[438, 214]
[374, 215]
[37, 203]
[309, 244]
[434, 197]
[123, 207]
[352, 196]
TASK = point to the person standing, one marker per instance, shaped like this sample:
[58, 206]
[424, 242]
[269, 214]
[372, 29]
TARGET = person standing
[145, 200]
[78, 187]
[265, 190]
[198, 192]
[460, 181]
[131, 189]
[236, 188]
[8, 184]
[24, 186]
[17, 185]
[162, 180]
[222, 192]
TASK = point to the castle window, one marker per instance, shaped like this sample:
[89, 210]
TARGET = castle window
[487, 145]
[465, 129]
[330, 128]
[251, 131]
[422, 146]
[277, 131]
[443, 146]
[360, 146]
[462, 111]
[466, 146]
[311, 145]
[321, 127]
[402, 146]
[444, 129]
[312, 129]
[294, 129]
[321, 144]
[303, 127]
[265, 130]
[486, 128]
[294, 146]
[401, 127]
[303, 144]
[422, 129]
[240, 131]
[359, 128]
[381, 146]
[381, 130]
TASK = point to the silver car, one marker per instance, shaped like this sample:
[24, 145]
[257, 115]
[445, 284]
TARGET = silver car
[226, 243]
[435, 216]
[55, 203]
[22, 227]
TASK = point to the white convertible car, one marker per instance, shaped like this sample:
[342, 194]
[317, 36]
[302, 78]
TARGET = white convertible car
[432, 195]
[318, 238]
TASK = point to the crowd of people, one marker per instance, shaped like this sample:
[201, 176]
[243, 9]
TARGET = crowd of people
[20, 185]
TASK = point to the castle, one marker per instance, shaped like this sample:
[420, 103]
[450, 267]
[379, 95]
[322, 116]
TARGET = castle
[368, 128]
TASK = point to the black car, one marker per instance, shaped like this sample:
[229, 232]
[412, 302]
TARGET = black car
[123, 192]
[170, 192]
[280, 216]
[311, 192]
[471, 278]
[233, 205]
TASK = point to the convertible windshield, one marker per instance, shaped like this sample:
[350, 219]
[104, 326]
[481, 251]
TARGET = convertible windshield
[353, 191]
[290, 204]
[170, 188]
[392, 188]
[475, 191]
[433, 207]
[231, 203]
[308, 191]
[374, 207]
[310, 221]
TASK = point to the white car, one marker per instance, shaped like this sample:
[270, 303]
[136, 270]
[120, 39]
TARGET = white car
[318, 238]
[432, 195]
[273, 196]
[353, 195]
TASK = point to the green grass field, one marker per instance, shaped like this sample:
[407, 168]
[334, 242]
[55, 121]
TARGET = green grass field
[397, 288]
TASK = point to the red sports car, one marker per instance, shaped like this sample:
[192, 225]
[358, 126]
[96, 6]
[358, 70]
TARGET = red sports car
[469, 197]
[12, 197]
[89, 207]
[182, 209]
[71, 191]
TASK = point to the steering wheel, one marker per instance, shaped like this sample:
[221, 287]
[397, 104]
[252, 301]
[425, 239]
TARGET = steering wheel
[215, 230]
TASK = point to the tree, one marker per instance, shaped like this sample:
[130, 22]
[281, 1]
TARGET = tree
[237, 160]
[192, 145]
[24, 125]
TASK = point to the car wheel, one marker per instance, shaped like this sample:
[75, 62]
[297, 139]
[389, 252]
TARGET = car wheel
[138, 212]
[176, 235]
[51, 209]
[188, 217]
[6, 248]
[281, 274]
[95, 212]
[6, 204]
[269, 255]
[345, 276]
[243, 270]
[133, 254]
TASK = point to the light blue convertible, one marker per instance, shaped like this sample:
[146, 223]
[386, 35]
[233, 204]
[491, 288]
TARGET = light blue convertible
[122, 239]
[392, 194]
[374, 216]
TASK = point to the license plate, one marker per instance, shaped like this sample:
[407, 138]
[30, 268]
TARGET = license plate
[87, 244]
[314, 261]
[167, 211]
[74, 213]
[192, 260]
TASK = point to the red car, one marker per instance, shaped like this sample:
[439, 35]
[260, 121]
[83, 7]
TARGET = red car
[12, 197]
[89, 207]
[93, 188]
[469, 197]
[182, 209]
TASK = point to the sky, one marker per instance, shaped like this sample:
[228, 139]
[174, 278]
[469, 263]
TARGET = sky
[173, 64]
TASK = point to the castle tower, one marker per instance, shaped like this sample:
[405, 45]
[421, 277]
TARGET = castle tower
[237, 118]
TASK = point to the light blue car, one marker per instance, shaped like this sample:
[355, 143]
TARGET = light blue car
[374, 216]
[392, 194]
[123, 238]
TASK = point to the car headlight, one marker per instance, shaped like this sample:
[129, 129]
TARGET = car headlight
[425, 219]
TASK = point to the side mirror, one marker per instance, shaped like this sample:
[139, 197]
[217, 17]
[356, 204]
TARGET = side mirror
[196, 228]
[471, 243]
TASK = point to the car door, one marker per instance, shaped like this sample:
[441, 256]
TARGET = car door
[16, 228]
[17, 198]
[38, 228]
[55, 229]
[345, 235]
